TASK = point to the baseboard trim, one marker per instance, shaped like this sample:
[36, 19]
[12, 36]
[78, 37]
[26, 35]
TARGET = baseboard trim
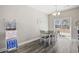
[26, 42]
[3, 49]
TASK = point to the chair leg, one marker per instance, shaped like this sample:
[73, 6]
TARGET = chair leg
[46, 43]
[51, 41]
[41, 41]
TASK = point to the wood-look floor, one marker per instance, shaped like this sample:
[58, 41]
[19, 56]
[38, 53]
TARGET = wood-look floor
[34, 47]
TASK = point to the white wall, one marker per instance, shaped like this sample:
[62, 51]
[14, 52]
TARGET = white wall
[29, 21]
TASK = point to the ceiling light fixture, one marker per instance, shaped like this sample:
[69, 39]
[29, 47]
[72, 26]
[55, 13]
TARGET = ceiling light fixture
[56, 13]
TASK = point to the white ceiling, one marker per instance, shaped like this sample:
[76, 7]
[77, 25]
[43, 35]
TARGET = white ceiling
[51, 8]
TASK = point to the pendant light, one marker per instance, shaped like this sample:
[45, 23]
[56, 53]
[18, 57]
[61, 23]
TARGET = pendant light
[56, 13]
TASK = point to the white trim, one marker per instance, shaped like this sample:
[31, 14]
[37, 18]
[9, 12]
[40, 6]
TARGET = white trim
[12, 49]
[2, 49]
[25, 42]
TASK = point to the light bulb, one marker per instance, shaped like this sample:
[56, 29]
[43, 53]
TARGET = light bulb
[58, 13]
[54, 14]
